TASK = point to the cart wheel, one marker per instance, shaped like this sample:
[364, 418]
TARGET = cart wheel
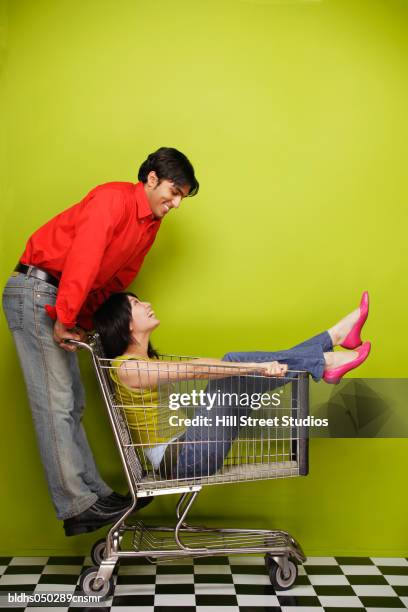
[86, 584]
[98, 551]
[278, 580]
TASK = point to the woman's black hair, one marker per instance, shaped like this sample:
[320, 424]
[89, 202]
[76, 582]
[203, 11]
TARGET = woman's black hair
[172, 165]
[112, 322]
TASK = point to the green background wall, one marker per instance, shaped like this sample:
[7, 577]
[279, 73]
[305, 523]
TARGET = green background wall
[294, 115]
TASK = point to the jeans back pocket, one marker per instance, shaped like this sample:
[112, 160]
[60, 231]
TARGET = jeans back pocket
[13, 306]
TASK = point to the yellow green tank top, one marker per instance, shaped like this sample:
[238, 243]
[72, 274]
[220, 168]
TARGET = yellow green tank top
[146, 410]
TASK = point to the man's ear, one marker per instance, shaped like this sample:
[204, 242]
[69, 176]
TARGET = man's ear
[152, 179]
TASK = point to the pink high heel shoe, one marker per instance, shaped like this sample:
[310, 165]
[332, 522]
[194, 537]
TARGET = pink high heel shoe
[353, 339]
[334, 375]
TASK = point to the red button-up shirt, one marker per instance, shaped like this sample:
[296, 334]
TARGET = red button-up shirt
[95, 248]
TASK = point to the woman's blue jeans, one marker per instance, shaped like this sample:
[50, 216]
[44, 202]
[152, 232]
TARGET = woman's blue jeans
[56, 397]
[203, 449]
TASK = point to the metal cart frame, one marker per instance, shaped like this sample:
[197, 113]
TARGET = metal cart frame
[164, 543]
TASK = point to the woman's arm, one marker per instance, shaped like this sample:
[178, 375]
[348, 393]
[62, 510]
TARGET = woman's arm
[146, 374]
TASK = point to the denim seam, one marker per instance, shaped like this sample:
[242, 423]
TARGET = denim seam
[62, 479]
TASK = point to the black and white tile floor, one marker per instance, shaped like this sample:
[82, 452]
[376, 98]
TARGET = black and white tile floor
[235, 584]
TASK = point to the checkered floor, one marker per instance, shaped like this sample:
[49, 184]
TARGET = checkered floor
[231, 584]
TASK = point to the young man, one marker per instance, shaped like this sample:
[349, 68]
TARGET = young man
[69, 267]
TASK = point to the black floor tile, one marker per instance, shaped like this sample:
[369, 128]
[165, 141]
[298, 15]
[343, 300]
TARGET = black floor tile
[254, 589]
[215, 600]
[298, 600]
[354, 561]
[175, 589]
[24, 569]
[401, 591]
[133, 600]
[175, 569]
[58, 579]
[366, 579]
[213, 578]
[381, 602]
[66, 561]
[393, 570]
[340, 590]
[259, 609]
[136, 579]
[320, 570]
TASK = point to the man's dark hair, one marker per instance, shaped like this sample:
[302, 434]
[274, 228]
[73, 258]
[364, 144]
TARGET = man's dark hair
[112, 322]
[172, 165]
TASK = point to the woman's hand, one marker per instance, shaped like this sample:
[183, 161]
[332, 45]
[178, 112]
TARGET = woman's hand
[274, 368]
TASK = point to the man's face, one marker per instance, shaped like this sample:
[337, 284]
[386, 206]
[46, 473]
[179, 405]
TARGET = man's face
[163, 195]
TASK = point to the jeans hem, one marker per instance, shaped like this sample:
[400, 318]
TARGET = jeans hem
[82, 506]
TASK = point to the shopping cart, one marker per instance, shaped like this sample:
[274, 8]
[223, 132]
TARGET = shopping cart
[266, 441]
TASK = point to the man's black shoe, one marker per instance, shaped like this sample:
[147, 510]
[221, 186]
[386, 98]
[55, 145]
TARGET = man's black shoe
[117, 500]
[95, 517]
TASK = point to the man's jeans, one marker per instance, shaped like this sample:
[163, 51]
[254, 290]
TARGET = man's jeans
[203, 449]
[56, 397]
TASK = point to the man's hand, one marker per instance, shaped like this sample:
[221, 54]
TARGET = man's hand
[274, 368]
[62, 333]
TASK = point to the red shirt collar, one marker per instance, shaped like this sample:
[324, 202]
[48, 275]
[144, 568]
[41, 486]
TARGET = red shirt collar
[143, 206]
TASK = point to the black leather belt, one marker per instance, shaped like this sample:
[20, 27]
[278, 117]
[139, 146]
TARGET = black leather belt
[37, 273]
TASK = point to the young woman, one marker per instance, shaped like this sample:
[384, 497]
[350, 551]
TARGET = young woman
[125, 324]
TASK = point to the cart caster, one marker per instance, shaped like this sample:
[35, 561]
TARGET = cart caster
[87, 584]
[98, 551]
[278, 580]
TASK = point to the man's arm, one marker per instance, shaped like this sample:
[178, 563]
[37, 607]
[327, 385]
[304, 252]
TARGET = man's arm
[121, 281]
[93, 233]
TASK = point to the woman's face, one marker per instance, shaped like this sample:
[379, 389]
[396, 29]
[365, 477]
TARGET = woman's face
[143, 317]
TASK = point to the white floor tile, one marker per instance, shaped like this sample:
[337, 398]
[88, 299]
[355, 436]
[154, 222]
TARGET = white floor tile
[174, 579]
[3, 568]
[55, 588]
[48, 609]
[212, 569]
[174, 600]
[7, 579]
[404, 601]
[134, 589]
[340, 601]
[214, 589]
[215, 609]
[383, 609]
[62, 569]
[374, 590]
[300, 590]
[251, 579]
[390, 561]
[301, 609]
[29, 560]
[131, 609]
[396, 580]
[325, 579]
[257, 600]
[321, 561]
[360, 570]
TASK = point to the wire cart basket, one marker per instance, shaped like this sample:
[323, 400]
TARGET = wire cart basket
[253, 432]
